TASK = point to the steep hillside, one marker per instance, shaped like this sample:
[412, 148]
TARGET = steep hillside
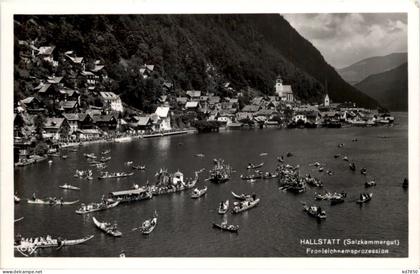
[374, 65]
[389, 88]
[193, 52]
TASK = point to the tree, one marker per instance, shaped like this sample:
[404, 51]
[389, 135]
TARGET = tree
[39, 121]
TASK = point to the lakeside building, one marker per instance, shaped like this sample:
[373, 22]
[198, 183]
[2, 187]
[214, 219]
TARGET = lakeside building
[112, 101]
[163, 118]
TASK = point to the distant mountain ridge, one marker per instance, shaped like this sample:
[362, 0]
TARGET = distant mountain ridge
[358, 71]
[389, 88]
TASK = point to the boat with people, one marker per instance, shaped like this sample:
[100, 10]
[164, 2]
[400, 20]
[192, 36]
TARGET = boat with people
[370, 183]
[138, 167]
[93, 207]
[363, 171]
[64, 157]
[289, 154]
[223, 207]
[51, 201]
[270, 175]
[330, 196]
[24, 244]
[70, 187]
[201, 155]
[84, 174]
[313, 181]
[148, 225]
[247, 204]
[220, 173]
[131, 195]
[364, 198]
[254, 166]
[89, 155]
[108, 228]
[256, 175]
[337, 200]
[241, 196]
[109, 175]
[197, 193]
[171, 183]
[106, 152]
[17, 199]
[224, 226]
[345, 158]
[315, 211]
[105, 159]
[352, 166]
[337, 156]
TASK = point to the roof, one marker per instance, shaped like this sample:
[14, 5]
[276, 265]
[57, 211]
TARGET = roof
[87, 73]
[53, 123]
[194, 93]
[54, 79]
[287, 89]
[71, 116]
[129, 192]
[46, 50]
[89, 131]
[68, 104]
[191, 105]
[103, 118]
[97, 68]
[109, 95]
[181, 100]
[257, 100]
[44, 88]
[67, 91]
[76, 60]
[234, 100]
[27, 100]
[265, 112]
[167, 84]
[250, 108]
[142, 120]
[214, 99]
[162, 112]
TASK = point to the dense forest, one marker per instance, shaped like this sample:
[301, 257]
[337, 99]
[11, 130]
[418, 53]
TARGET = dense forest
[199, 52]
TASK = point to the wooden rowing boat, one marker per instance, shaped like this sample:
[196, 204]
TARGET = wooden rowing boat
[50, 202]
[226, 227]
[84, 209]
[107, 228]
[69, 187]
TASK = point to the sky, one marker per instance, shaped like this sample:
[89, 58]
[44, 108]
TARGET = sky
[346, 38]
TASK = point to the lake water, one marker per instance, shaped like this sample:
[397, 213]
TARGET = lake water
[274, 228]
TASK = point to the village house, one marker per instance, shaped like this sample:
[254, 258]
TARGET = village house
[68, 94]
[105, 122]
[141, 123]
[181, 101]
[32, 105]
[167, 86]
[73, 120]
[146, 71]
[164, 118]
[284, 92]
[69, 106]
[193, 95]
[56, 128]
[46, 53]
[194, 105]
[111, 101]
[251, 108]
[89, 78]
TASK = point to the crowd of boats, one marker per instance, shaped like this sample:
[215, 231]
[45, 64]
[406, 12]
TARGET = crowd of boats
[288, 176]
